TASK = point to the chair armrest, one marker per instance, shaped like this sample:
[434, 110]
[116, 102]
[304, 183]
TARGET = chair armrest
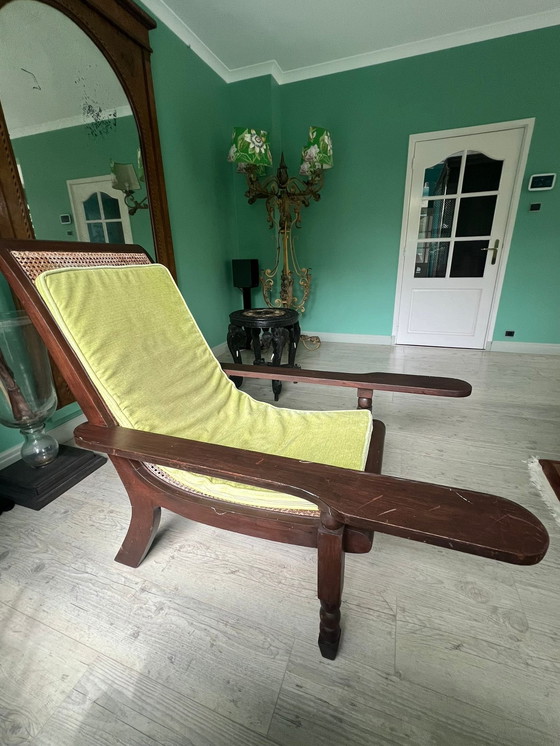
[432, 385]
[463, 520]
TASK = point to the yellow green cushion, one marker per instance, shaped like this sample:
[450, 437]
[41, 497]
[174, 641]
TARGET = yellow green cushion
[142, 349]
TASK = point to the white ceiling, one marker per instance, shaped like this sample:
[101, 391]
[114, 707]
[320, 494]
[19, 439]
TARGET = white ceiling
[290, 39]
[51, 74]
[297, 39]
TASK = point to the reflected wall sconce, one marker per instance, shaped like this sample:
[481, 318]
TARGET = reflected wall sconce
[125, 180]
[284, 197]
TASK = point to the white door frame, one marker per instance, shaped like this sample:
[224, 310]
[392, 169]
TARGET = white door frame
[528, 126]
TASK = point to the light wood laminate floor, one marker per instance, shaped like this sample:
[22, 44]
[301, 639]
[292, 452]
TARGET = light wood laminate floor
[212, 641]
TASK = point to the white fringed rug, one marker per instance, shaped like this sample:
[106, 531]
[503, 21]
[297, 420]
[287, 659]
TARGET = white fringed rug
[545, 476]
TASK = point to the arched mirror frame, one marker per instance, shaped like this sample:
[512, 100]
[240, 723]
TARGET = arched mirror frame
[120, 31]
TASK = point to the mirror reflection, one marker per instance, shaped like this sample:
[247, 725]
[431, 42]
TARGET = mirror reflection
[69, 119]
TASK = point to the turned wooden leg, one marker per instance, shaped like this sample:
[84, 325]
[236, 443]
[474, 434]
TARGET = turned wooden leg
[295, 334]
[236, 338]
[144, 524]
[330, 581]
[257, 347]
[279, 338]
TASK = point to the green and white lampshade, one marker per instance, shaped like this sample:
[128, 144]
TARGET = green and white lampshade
[249, 147]
[124, 177]
[317, 153]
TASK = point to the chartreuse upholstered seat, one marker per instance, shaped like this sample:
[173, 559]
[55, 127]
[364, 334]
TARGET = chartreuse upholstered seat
[154, 369]
[182, 437]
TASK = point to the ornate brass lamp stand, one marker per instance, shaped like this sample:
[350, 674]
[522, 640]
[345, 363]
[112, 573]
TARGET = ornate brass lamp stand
[284, 197]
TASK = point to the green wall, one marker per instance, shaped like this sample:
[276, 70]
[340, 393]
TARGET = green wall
[351, 237]
[195, 128]
[253, 103]
[49, 159]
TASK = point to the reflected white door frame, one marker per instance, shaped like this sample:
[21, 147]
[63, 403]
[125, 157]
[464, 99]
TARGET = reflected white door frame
[410, 224]
[80, 190]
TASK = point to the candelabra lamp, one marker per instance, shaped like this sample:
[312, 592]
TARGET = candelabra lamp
[27, 399]
[286, 284]
[125, 179]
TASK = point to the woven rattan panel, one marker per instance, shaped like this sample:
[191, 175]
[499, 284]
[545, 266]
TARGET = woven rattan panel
[34, 263]
[166, 478]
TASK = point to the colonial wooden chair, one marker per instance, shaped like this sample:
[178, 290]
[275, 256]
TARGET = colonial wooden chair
[182, 437]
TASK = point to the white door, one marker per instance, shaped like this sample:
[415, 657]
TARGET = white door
[459, 214]
[100, 213]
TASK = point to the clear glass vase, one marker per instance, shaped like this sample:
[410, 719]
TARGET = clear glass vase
[27, 395]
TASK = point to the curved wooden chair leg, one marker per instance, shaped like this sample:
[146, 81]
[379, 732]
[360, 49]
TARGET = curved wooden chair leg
[144, 524]
[330, 582]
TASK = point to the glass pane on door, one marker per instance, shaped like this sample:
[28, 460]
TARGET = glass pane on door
[436, 218]
[443, 178]
[91, 207]
[431, 258]
[482, 174]
[111, 209]
[476, 215]
[469, 259]
[96, 234]
[115, 232]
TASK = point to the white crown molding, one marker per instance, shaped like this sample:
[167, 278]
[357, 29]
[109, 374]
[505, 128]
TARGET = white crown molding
[270, 67]
[435, 44]
[425, 46]
[167, 16]
[60, 124]
[527, 348]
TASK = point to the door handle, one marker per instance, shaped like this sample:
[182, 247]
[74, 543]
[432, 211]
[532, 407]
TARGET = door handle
[494, 250]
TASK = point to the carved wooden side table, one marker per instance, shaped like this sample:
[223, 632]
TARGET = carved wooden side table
[266, 326]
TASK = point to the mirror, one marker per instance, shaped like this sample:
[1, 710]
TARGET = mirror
[68, 117]
[117, 37]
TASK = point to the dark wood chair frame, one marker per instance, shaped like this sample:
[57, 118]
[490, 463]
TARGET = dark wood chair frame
[352, 504]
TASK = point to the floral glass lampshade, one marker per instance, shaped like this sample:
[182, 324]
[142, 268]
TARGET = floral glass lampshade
[318, 153]
[250, 147]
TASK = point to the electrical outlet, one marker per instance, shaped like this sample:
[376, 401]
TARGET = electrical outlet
[509, 333]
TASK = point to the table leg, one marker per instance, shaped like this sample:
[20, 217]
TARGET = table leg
[266, 339]
[279, 338]
[295, 333]
[256, 339]
[235, 341]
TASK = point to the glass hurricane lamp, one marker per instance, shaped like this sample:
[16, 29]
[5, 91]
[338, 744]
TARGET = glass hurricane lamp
[27, 395]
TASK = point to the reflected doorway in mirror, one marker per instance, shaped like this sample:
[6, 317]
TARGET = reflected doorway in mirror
[100, 212]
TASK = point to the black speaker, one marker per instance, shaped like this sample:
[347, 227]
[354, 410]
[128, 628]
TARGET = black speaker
[245, 273]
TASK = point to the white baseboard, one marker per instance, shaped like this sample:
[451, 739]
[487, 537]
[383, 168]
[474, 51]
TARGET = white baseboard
[530, 348]
[359, 339]
[62, 433]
